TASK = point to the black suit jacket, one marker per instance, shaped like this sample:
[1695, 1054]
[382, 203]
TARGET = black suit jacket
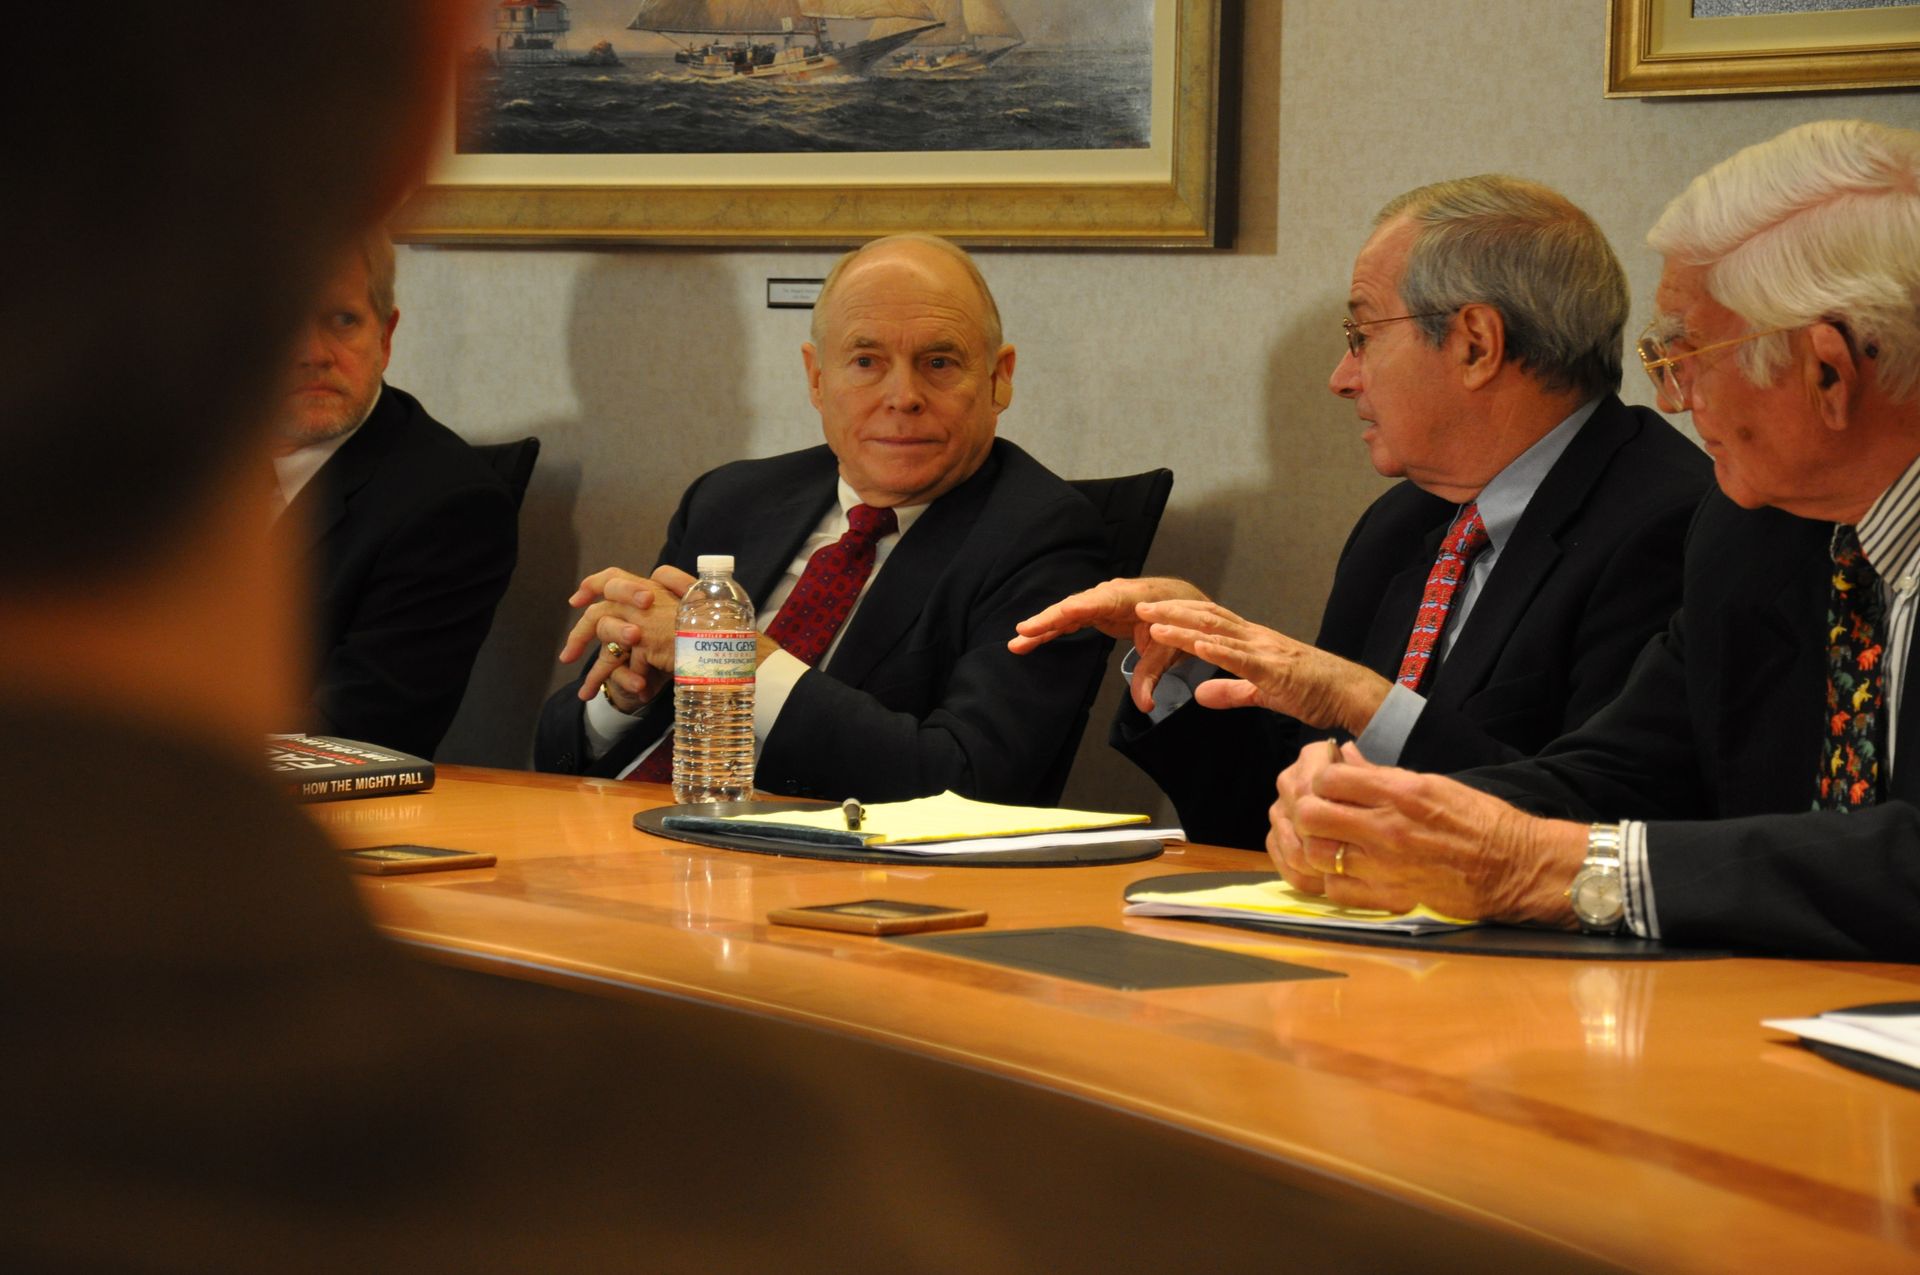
[1589, 573]
[922, 694]
[1716, 741]
[410, 540]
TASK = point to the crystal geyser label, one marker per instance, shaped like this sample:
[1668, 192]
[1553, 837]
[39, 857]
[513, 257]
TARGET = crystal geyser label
[707, 657]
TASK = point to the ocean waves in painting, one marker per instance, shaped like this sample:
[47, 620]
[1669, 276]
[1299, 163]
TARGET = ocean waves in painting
[1033, 99]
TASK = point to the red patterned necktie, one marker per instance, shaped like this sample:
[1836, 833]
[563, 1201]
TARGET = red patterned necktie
[1856, 681]
[1465, 538]
[819, 604]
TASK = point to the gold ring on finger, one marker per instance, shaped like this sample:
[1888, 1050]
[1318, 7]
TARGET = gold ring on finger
[1340, 860]
[616, 652]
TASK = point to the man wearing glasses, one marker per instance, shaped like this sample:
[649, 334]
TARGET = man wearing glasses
[1492, 601]
[1753, 753]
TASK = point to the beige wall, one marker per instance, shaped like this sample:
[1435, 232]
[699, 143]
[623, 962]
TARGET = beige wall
[640, 369]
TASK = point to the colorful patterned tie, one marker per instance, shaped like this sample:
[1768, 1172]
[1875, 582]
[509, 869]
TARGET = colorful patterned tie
[819, 604]
[1465, 538]
[1856, 680]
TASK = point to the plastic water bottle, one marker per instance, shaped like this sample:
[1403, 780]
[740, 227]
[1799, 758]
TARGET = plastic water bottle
[713, 664]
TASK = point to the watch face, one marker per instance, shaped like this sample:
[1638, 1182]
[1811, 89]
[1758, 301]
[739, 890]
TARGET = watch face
[1597, 898]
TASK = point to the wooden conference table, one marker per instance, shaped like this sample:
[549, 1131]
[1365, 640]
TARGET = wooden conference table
[1633, 1112]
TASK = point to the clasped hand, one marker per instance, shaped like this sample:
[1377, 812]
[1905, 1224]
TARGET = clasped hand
[1370, 836]
[637, 612]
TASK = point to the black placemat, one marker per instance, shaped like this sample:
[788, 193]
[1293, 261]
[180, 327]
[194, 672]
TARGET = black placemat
[1482, 940]
[1871, 1064]
[1112, 958]
[1064, 856]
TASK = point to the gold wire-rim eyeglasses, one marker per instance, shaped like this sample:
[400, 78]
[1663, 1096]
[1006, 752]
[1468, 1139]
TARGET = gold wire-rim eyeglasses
[1671, 393]
[1357, 340]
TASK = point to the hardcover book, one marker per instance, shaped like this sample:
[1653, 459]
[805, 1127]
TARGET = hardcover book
[322, 768]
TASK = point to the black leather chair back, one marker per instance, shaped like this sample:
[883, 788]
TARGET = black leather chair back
[1131, 507]
[514, 463]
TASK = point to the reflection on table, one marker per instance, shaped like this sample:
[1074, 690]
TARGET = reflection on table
[1632, 1111]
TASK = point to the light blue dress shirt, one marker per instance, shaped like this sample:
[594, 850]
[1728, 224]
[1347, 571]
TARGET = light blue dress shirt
[1503, 501]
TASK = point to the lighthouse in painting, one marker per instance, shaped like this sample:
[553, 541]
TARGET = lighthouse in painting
[530, 32]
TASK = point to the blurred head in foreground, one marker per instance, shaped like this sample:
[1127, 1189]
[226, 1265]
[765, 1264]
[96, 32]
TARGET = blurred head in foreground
[145, 333]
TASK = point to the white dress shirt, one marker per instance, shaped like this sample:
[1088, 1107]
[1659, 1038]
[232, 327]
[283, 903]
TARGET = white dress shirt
[297, 468]
[779, 672]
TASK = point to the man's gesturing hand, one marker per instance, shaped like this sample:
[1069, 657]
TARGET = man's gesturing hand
[1275, 671]
[1111, 608]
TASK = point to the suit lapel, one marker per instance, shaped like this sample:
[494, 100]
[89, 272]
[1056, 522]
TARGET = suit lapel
[322, 503]
[1523, 567]
[783, 526]
[899, 593]
[1529, 555]
[1771, 671]
[1399, 606]
[634, 742]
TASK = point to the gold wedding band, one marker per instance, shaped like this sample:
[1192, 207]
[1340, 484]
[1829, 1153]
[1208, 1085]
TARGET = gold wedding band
[1340, 860]
[616, 652]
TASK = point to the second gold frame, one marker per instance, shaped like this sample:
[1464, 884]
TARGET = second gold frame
[1658, 48]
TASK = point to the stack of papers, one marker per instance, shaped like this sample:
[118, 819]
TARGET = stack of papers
[1276, 900]
[943, 825]
[1891, 1032]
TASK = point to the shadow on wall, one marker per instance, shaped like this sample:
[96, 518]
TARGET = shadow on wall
[1265, 548]
[656, 408]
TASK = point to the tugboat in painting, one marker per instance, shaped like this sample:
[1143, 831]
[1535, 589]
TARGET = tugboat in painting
[601, 54]
[784, 39]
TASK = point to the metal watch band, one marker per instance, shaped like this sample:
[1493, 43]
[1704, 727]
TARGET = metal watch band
[1605, 846]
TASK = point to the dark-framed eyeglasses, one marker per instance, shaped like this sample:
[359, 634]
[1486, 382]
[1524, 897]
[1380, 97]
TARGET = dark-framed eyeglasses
[1357, 340]
[1671, 376]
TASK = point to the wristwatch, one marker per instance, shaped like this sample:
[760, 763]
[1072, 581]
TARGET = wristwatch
[1598, 892]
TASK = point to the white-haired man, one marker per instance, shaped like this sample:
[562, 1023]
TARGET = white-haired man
[1753, 753]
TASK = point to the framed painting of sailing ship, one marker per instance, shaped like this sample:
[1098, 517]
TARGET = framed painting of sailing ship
[826, 122]
[1678, 47]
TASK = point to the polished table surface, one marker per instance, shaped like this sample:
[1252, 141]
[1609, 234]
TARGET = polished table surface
[1636, 1112]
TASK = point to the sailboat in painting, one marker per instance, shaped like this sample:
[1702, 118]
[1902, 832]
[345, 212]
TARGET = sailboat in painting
[784, 39]
[972, 36]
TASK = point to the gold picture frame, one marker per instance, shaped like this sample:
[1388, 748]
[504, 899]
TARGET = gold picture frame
[1658, 48]
[771, 201]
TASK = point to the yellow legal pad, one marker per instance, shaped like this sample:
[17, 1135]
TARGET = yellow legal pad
[1276, 900]
[948, 817]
